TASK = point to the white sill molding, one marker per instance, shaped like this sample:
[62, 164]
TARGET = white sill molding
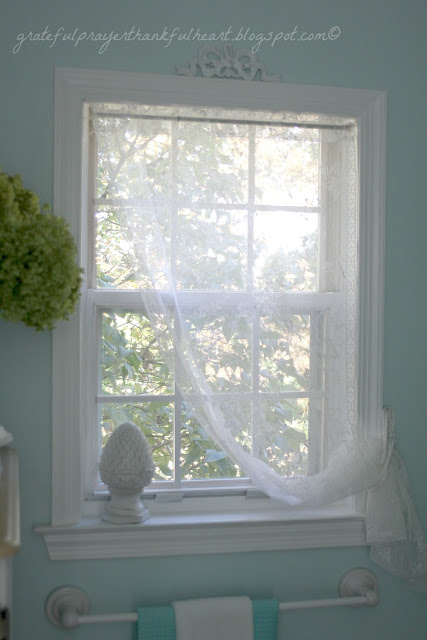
[186, 533]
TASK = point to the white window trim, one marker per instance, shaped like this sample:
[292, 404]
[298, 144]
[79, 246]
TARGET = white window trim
[72, 534]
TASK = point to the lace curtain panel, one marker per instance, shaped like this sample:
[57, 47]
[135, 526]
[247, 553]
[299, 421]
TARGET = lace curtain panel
[232, 236]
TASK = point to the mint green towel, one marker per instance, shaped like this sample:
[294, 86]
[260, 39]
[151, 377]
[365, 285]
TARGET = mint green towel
[158, 623]
[266, 618]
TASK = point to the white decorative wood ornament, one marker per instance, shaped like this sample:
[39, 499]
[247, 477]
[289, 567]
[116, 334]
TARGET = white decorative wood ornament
[126, 467]
[224, 63]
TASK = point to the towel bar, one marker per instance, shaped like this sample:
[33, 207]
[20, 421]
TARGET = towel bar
[68, 606]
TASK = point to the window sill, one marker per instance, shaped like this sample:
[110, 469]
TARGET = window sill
[202, 533]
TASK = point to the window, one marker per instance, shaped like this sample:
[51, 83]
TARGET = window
[211, 170]
[248, 222]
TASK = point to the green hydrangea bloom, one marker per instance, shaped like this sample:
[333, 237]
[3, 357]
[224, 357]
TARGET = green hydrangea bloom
[39, 278]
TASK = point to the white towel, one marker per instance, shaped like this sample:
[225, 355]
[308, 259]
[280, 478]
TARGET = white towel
[214, 619]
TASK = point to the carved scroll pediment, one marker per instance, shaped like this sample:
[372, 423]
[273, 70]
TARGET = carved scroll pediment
[222, 62]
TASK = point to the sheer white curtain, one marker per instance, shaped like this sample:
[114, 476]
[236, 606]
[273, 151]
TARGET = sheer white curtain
[255, 276]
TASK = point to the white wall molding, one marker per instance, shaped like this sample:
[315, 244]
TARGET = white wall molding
[72, 448]
[372, 158]
[169, 536]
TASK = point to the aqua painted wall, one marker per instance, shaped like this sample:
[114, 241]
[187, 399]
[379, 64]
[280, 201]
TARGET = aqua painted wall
[380, 46]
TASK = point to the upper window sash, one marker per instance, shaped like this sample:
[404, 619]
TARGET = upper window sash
[109, 137]
[74, 90]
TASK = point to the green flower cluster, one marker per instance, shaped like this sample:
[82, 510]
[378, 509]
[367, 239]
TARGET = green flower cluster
[39, 278]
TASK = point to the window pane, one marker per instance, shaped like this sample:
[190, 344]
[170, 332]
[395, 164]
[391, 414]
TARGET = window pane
[212, 249]
[133, 157]
[203, 459]
[133, 199]
[286, 166]
[125, 243]
[284, 353]
[282, 436]
[212, 162]
[221, 342]
[286, 251]
[155, 419]
[132, 362]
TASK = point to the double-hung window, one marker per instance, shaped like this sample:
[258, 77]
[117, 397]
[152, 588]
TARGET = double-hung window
[243, 217]
[225, 229]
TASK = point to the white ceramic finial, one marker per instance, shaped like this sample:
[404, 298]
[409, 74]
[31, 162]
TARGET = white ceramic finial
[126, 467]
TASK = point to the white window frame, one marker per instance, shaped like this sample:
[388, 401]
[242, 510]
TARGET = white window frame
[229, 523]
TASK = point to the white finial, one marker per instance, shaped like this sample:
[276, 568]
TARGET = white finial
[126, 467]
